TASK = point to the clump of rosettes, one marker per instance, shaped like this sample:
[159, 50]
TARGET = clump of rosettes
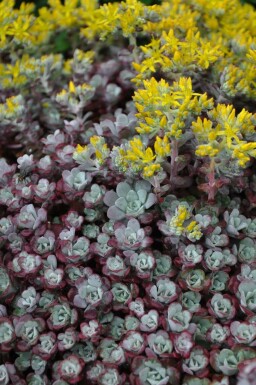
[128, 193]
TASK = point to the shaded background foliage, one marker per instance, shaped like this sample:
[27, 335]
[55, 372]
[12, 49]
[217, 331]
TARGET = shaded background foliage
[41, 3]
[61, 42]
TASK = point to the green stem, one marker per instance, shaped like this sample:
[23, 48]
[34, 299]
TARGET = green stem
[135, 51]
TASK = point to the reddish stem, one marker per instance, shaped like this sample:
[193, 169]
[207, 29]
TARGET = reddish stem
[212, 182]
[174, 154]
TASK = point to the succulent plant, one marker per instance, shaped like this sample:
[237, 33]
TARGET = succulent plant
[143, 263]
[178, 319]
[131, 236]
[222, 307]
[197, 362]
[246, 251]
[216, 238]
[127, 193]
[91, 292]
[133, 343]
[159, 344]
[163, 292]
[246, 372]
[247, 295]
[149, 369]
[129, 201]
[110, 352]
[218, 334]
[235, 222]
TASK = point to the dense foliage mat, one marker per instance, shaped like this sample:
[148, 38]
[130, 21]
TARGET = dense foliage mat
[128, 193]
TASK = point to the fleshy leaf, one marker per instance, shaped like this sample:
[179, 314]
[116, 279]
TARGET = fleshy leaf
[115, 213]
[151, 200]
[110, 198]
[122, 189]
[121, 203]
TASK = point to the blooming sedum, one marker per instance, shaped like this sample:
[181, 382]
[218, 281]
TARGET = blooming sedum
[128, 193]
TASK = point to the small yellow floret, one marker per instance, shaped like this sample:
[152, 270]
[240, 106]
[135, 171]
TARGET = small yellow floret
[11, 104]
[191, 226]
[182, 214]
[71, 87]
[95, 140]
[162, 146]
[80, 149]
[149, 171]
[206, 150]
[61, 93]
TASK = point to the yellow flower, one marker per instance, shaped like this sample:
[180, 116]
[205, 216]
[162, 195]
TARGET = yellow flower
[170, 41]
[162, 146]
[71, 87]
[137, 152]
[251, 56]
[207, 150]
[202, 127]
[80, 149]
[99, 155]
[191, 226]
[102, 153]
[61, 95]
[19, 29]
[182, 214]
[11, 104]
[243, 152]
[100, 147]
[149, 171]
[95, 140]
[167, 107]
[227, 135]
[103, 22]
[12, 108]
[194, 231]
[176, 223]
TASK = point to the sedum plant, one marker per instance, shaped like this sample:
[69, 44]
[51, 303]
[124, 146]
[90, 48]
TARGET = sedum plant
[129, 201]
[127, 193]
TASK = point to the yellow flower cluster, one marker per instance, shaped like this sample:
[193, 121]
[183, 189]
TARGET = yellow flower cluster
[225, 133]
[168, 107]
[187, 37]
[97, 149]
[20, 26]
[127, 17]
[239, 81]
[172, 54]
[193, 231]
[26, 70]
[197, 34]
[251, 56]
[138, 158]
[67, 14]
[190, 46]
[179, 223]
[100, 148]
[75, 97]
[176, 223]
[15, 25]
[80, 63]
[12, 109]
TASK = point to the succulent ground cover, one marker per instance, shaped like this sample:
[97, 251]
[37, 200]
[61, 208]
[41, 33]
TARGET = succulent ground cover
[128, 193]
